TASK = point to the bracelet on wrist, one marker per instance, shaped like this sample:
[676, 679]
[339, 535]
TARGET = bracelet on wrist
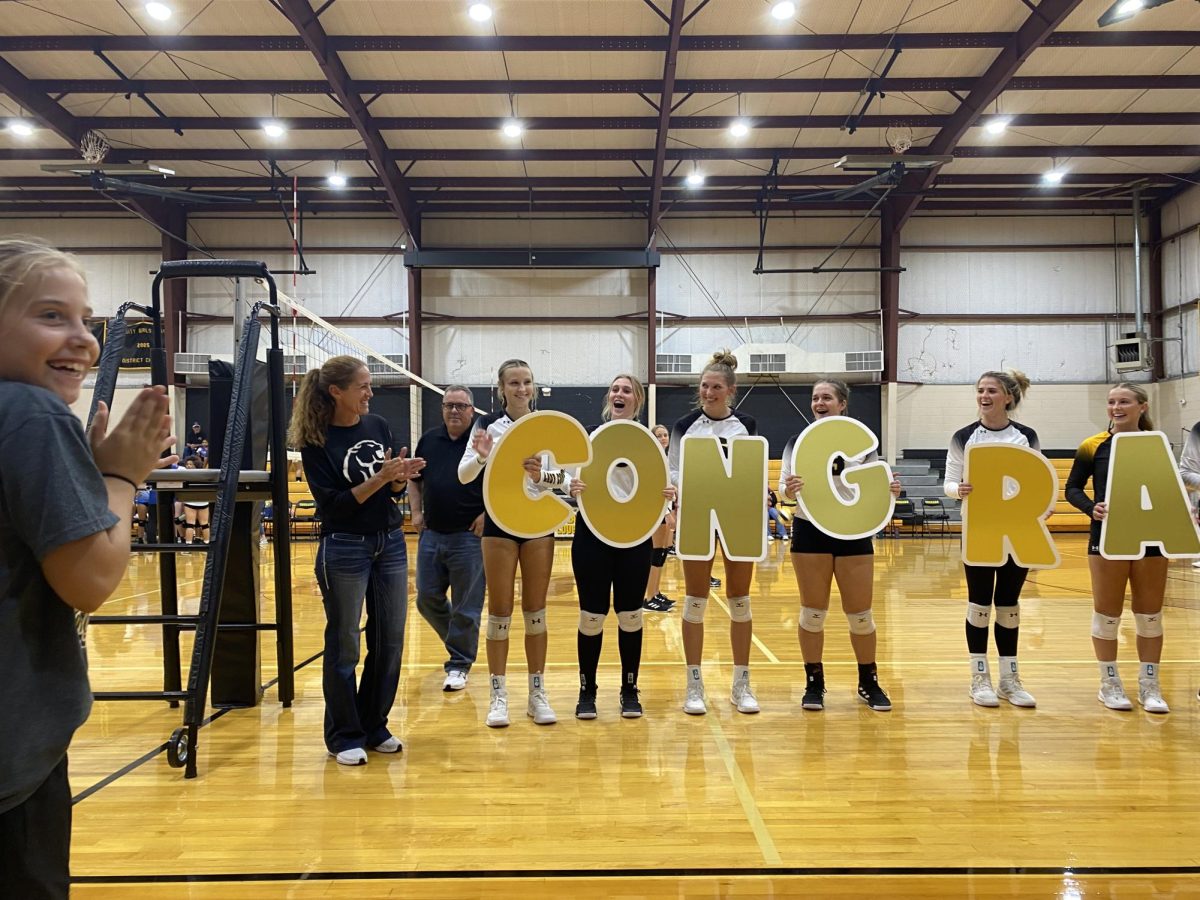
[128, 481]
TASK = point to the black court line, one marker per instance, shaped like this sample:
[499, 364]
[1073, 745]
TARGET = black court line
[146, 757]
[716, 872]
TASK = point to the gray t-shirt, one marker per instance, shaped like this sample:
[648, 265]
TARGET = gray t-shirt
[50, 494]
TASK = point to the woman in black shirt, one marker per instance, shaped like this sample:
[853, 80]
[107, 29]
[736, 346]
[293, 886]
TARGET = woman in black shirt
[355, 480]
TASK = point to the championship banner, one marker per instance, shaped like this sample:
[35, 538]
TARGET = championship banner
[1013, 490]
[725, 495]
[1147, 503]
[872, 504]
[505, 497]
[631, 521]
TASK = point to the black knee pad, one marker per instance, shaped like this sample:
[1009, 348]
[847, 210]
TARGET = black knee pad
[659, 558]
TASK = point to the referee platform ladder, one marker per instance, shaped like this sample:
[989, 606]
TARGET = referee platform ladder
[227, 486]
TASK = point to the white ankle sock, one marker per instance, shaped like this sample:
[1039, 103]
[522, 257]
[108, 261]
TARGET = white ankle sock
[1148, 671]
[498, 683]
[535, 682]
[1108, 669]
[1008, 666]
[693, 675]
[741, 673]
[979, 664]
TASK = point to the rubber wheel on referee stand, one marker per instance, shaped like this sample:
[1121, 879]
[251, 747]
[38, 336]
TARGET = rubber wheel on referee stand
[177, 748]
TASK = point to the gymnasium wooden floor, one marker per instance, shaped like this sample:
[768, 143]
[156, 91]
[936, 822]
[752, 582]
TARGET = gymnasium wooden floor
[937, 798]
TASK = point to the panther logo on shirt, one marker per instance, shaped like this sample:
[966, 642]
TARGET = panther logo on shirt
[362, 461]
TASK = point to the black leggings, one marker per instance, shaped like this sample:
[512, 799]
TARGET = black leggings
[603, 572]
[1000, 585]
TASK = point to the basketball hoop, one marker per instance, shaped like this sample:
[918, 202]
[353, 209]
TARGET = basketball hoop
[93, 147]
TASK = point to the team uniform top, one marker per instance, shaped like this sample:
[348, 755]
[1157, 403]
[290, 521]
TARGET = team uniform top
[840, 464]
[351, 455]
[978, 433]
[496, 424]
[697, 424]
[1091, 461]
[1189, 462]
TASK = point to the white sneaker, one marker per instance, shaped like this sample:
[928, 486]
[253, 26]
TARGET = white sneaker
[1112, 694]
[391, 745]
[456, 680]
[1014, 692]
[1150, 696]
[355, 756]
[539, 708]
[693, 701]
[742, 696]
[497, 716]
[1196, 564]
[982, 693]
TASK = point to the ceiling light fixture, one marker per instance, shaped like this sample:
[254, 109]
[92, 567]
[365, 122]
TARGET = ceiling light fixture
[695, 179]
[159, 11]
[1122, 10]
[1054, 176]
[336, 179]
[997, 125]
[513, 129]
[739, 128]
[272, 126]
[20, 127]
[480, 12]
[784, 10]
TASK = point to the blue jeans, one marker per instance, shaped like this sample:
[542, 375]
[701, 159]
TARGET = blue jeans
[774, 516]
[453, 561]
[351, 567]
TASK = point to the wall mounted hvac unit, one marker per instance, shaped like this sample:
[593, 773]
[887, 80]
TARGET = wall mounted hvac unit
[864, 361]
[674, 364]
[295, 364]
[382, 373]
[1131, 354]
[192, 363]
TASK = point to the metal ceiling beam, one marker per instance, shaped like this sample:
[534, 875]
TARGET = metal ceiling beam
[223, 154]
[301, 15]
[457, 43]
[663, 124]
[611, 86]
[1188, 182]
[39, 106]
[347, 207]
[1034, 32]
[787, 182]
[595, 155]
[621, 123]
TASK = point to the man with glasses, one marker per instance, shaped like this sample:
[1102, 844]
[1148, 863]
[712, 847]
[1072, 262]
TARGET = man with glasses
[448, 516]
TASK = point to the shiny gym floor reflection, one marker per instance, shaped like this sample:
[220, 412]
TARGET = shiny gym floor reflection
[937, 798]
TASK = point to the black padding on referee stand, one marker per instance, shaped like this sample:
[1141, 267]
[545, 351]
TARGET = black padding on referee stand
[236, 673]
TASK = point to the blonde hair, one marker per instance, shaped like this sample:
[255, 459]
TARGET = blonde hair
[1144, 423]
[513, 363]
[639, 396]
[313, 409]
[724, 363]
[1014, 382]
[23, 262]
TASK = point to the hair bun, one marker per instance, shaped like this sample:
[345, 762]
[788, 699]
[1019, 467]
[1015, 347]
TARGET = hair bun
[724, 357]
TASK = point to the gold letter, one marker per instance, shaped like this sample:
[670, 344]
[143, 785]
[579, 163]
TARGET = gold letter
[1147, 504]
[812, 459]
[628, 522]
[728, 495]
[1012, 490]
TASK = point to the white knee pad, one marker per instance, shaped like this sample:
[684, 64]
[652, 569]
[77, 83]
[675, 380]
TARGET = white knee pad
[1105, 627]
[497, 627]
[739, 609]
[978, 615]
[1148, 625]
[535, 622]
[1008, 616]
[630, 620]
[813, 619]
[693, 609]
[590, 624]
[861, 622]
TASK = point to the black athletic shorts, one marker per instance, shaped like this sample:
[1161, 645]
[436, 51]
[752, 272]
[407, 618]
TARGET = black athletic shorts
[1094, 543]
[808, 538]
[491, 529]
